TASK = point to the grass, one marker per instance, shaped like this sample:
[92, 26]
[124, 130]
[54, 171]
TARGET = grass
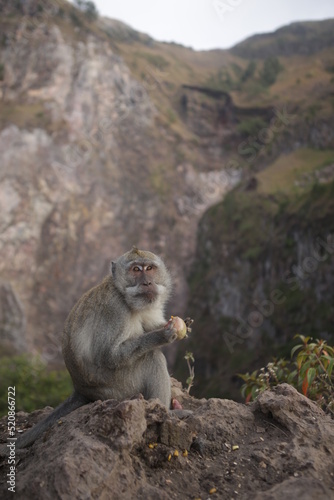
[23, 115]
[287, 170]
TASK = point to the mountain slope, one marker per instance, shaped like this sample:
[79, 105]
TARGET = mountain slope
[302, 38]
[109, 138]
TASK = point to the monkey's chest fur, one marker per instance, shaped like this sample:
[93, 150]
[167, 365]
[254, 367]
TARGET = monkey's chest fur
[109, 353]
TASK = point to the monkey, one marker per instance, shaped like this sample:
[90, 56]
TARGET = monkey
[112, 338]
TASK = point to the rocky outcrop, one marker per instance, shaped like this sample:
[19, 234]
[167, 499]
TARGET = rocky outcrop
[280, 445]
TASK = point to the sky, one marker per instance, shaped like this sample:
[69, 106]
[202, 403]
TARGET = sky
[208, 24]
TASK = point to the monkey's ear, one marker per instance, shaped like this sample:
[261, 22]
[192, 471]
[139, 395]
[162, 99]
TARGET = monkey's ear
[113, 268]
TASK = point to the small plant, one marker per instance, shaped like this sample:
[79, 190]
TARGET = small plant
[311, 373]
[314, 363]
[276, 372]
[189, 357]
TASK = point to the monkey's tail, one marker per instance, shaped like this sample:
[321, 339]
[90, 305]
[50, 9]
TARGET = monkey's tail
[70, 404]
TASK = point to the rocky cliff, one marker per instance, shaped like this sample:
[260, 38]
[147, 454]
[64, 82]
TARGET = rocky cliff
[263, 273]
[89, 166]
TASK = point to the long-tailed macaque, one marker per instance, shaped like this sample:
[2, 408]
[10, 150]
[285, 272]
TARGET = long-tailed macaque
[112, 338]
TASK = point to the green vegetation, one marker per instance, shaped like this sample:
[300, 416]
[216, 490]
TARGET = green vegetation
[271, 68]
[2, 72]
[156, 60]
[221, 80]
[251, 126]
[287, 41]
[24, 115]
[249, 72]
[75, 19]
[171, 116]
[311, 373]
[35, 386]
[294, 171]
[158, 181]
[88, 8]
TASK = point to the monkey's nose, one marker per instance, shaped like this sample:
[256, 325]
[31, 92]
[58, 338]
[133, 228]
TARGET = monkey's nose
[147, 283]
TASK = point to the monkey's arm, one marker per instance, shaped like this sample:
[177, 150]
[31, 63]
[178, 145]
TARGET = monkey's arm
[134, 348]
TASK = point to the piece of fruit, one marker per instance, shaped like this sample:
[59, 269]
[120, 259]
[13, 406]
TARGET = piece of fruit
[180, 327]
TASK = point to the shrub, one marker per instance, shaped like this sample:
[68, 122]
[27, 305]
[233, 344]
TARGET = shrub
[35, 386]
[270, 70]
[251, 126]
[88, 8]
[249, 71]
[311, 373]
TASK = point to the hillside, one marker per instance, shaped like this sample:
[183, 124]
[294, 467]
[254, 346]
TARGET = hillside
[302, 38]
[109, 138]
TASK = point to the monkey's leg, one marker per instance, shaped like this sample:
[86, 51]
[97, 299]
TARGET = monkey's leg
[158, 385]
[157, 380]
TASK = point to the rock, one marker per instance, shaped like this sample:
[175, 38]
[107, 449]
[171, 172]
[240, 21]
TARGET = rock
[136, 449]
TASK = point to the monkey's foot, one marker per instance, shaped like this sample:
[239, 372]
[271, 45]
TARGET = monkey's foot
[176, 405]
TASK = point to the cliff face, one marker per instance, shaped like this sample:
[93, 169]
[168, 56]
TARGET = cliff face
[88, 168]
[263, 273]
[65, 187]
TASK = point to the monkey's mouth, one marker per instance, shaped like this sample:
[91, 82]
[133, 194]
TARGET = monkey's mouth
[149, 295]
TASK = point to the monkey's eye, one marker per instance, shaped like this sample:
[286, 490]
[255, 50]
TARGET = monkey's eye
[136, 268]
[149, 268]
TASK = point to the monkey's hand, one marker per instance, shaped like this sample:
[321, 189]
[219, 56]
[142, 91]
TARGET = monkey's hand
[176, 329]
[188, 323]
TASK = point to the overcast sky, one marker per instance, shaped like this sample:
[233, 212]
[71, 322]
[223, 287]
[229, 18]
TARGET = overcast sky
[207, 24]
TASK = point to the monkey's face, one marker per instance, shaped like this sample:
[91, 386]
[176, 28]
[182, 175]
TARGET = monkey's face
[142, 278]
